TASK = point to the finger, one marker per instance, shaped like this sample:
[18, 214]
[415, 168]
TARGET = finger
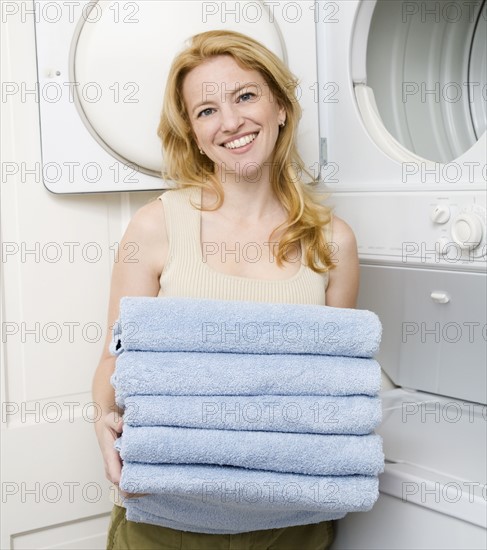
[114, 422]
[119, 425]
[114, 467]
[132, 495]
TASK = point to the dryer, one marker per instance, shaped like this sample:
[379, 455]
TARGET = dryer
[102, 67]
[403, 119]
[405, 158]
[403, 93]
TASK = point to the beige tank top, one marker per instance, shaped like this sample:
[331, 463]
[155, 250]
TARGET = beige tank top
[187, 274]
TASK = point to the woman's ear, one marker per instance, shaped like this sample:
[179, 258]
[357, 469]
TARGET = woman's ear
[282, 116]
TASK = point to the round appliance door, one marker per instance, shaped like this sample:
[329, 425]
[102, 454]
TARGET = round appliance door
[419, 74]
[128, 51]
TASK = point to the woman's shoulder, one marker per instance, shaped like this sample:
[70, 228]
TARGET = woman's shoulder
[146, 233]
[341, 232]
[150, 217]
[343, 241]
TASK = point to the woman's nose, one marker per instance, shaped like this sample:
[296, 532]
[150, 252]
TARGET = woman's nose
[231, 119]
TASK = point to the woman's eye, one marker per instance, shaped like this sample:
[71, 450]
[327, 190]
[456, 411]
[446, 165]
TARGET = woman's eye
[246, 96]
[205, 112]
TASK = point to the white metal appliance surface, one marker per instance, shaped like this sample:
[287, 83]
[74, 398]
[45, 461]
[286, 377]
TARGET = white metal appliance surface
[403, 93]
[433, 492]
[433, 489]
[102, 68]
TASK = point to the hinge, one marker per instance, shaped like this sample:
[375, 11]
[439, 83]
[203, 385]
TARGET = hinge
[323, 152]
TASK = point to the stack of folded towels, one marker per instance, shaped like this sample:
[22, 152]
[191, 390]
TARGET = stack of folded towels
[242, 416]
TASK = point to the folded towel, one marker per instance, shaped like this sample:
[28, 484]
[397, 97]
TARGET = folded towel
[188, 324]
[312, 454]
[218, 500]
[356, 414]
[187, 373]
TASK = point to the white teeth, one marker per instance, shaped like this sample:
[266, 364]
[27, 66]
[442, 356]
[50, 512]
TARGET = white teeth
[240, 142]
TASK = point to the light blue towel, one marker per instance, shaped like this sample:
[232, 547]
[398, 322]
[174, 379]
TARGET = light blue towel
[188, 324]
[355, 414]
[209, 499]
[187, 373]
[312, 454]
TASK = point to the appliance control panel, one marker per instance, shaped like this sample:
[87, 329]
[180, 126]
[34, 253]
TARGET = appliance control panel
[427, 229]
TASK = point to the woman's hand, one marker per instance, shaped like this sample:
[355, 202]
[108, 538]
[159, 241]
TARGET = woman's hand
[111, 429]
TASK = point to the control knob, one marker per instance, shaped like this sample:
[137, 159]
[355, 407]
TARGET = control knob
[467, 230]
[441, 214]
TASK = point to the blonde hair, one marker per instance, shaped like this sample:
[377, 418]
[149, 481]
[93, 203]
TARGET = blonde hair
[184, 164]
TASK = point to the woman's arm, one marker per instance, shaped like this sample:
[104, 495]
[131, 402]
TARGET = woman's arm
[343, 284]
[136, 272]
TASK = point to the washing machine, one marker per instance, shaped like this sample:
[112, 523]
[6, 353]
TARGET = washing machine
[102, 68]
[433, 491]
[404, 153]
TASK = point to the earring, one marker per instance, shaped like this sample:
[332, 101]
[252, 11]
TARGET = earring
[201, 152]
[282, 124]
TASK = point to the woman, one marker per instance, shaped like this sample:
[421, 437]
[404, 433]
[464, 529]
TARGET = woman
[241, 225]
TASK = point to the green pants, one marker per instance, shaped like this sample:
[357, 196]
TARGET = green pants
[129, 535]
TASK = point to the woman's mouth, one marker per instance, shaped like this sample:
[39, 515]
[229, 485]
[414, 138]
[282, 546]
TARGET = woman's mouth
[240, 142]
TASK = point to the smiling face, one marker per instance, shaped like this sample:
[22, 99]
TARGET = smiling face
[234, 116]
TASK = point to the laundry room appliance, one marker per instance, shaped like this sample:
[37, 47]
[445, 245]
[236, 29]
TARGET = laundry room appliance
[433, 492]
[102, 68]
[405, 160]
[403, 90]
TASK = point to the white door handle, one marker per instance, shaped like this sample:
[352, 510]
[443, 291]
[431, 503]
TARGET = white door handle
[440, 297]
